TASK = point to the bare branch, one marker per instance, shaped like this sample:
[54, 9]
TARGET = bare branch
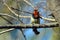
[6, 30]
[29, 3]
[48, 25]
[1, 14]
[23, 33]
[20, 10]
[49, 19]
[10, 16]
[6, 20]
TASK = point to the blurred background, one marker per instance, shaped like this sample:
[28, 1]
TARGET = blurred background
[16, 34]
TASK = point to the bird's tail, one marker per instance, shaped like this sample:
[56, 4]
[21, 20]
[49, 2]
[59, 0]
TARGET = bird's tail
[36, 31]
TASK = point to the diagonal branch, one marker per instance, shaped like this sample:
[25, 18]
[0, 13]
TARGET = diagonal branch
[23, 33]
[6, 20]
[20, 10]
[29, 3]
[8, 16]
[49, 19]
[8, 30]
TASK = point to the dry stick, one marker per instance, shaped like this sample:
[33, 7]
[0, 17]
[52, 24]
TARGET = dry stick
[49, 19]
[29, 3]
[8, 16]
[23, 33]
[6, 30]
[6, 20]
[20, 10]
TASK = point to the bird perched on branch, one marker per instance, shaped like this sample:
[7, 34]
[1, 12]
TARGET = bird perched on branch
[35, 20]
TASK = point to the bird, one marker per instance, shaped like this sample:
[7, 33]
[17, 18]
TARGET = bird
[35, 19]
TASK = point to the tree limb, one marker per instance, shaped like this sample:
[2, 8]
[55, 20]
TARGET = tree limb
[49, 19]
[6, 30]
[48, 25]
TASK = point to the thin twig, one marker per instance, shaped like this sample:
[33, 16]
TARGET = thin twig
[6, 30]
[1, 14]
[21, 10]
[29, 3]
[49, 19]
[10, 16]
[6, 20]
[23, 33]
